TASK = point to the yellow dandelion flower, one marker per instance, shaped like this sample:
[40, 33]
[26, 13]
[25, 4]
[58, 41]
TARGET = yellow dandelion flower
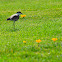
[24, 41]
[38, 41]
[23, 15]
[54, 39]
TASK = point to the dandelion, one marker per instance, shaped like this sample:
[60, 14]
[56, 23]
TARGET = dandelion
[54, 44]
[24, 42]
[54, 39]
[23, 16]
[38, 41]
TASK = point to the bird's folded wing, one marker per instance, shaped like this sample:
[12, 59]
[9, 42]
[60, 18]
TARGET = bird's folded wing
[13, 16]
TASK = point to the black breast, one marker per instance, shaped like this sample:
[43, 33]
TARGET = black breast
[15, 18]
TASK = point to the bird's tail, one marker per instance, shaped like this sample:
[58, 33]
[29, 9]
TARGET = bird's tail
[8, 19]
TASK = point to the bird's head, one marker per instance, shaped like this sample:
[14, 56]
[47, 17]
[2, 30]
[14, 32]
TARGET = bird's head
[18, 13]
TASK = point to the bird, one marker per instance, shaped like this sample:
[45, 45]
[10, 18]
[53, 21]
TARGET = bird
[14, 17]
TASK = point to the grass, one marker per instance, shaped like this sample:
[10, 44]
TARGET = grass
[43, 21]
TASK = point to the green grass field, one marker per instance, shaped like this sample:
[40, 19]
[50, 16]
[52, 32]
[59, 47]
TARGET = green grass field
[43, 21]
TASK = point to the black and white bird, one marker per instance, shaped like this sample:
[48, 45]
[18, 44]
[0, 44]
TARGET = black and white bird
[14, 18]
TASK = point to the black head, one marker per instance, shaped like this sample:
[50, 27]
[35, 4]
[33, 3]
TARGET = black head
[19, 12]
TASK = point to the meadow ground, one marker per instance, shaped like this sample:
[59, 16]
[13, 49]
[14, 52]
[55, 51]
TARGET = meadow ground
[43, 21]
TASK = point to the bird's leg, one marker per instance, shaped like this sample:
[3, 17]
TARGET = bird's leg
[14, 25]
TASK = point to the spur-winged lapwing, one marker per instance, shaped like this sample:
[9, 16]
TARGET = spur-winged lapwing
[14, 18]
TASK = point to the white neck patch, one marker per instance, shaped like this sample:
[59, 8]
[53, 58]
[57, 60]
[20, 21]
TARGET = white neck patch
[18, 13]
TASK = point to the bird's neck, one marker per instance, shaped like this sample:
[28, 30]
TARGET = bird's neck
[18, 13]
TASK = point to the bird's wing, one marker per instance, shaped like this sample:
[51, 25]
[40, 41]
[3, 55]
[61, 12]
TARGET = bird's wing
[13, 16]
